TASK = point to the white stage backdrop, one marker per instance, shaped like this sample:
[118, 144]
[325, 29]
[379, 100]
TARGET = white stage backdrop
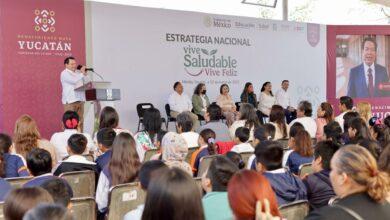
[143, 51]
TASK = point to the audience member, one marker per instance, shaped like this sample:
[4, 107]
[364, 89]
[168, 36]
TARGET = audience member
[186, 130]
[236, 159]
[105, 139]
[248, 95]
[149, 170]
[109, 118]
[122, 168]
[304, 113]
[77, 143]
[215, 182]
[358, 130]
[324, 117]
[60, 191]
[179, 102]
[27, 137]
[266, 99]
[213, 121]
[200, 101]
[241, 141]
[248, 118]
[294, 129]
[147, 138]
[257, 189]
[364, 110]
[384, 160]
[71, 125]
[288, 188]
[362, 188]
[10, 165]
[48, 212]
[318, 186]
[333, 132]
[302, 147]
[207, 147]
[278, 119]
[19, 201]
[174, 152]
[173, 195]
[225, 101]
[347, 118]
[39, 164]
[345, 106]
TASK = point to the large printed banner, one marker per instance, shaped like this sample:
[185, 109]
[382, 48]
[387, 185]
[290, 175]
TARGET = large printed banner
[36, 36]
[143, 51]
[358, 65]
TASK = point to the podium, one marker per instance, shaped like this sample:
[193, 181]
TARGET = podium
[97, 91]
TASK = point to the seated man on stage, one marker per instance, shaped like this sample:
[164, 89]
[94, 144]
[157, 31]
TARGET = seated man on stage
[365, 79]
[283, 99]
[180, 102]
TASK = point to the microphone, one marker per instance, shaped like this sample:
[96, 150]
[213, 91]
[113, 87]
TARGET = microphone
[89, 69]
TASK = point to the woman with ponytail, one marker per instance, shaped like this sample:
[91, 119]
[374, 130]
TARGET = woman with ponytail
[207, 147]
[361, 187]
[71, 125]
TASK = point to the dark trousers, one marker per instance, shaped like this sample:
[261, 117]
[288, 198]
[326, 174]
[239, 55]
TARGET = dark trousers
[290, 116]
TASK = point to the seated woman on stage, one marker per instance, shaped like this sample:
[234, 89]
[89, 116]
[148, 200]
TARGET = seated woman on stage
[266, 99]
[248, 95]
[227, 104]
[200, 101]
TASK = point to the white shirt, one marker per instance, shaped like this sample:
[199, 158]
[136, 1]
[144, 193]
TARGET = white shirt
[70, 80]
[308, 123]
[283, 98]
[237, 124]
[266, 102]
[60, 142]
[191, 138]
[135, 214]
[102, 191]
[340, 120]
[179, 103]
[372, 72]
[243, 147]
[204, 102]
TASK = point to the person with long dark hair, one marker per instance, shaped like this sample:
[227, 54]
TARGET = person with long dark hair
[358, 130]
[200, 101]
[248, 95]
[248, 118]
[11, 165]
[324, 116]
[109, 118]
[277, 118]
[266, 98]
[225, 101]
[122, 168]
[333, 132]
[173, 195]
[147, 138]
[207, 147]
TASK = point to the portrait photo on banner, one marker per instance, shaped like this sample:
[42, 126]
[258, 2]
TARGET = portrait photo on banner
[362, 66]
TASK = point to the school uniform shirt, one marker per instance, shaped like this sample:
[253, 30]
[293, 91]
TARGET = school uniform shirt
[216, 206]
[39, 180]
[75, 163]
[295, 160]
[340, 120]
[102, 160]
[191, 138]
[103, 189]
[135, 214]
[243, 147]
[14, 166]
[196, 157]
[287, 187]
[60, 142]
[5, 188]
[237, 124]
[308, 123]
[319, 189]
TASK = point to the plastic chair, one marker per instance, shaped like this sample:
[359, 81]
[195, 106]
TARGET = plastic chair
[305, 169]
[18, 182]
[297, 210]
[245, 156]
[82, 182]
[150, 153]
[204, 164]
[124, 198]
[83, 208]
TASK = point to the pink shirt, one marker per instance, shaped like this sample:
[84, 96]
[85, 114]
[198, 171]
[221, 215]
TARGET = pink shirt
[321, 122]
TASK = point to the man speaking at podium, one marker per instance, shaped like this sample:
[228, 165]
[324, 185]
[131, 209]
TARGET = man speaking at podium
[70, 79]
[365, 79]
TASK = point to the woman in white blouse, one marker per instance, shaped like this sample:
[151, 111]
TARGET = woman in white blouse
[266, 98]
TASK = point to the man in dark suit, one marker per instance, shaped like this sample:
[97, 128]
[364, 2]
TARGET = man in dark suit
[364, 79]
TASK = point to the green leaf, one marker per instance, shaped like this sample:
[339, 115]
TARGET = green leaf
[205, 51]
[213, 52]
